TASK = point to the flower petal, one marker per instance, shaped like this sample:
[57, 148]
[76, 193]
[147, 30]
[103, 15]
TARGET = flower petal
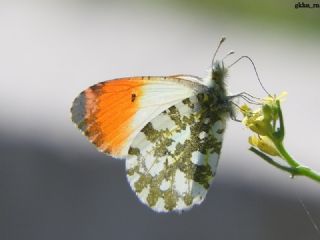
[264, 144]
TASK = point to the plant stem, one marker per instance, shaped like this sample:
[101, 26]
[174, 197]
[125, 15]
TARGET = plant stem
[286, 155]
[268, 159]
[281, 130]
[296, 167]
[308, 172]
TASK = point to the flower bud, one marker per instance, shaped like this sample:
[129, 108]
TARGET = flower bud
[264, 144]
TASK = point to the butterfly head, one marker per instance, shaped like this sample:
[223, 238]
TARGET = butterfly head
[218, 72]
[216, 77]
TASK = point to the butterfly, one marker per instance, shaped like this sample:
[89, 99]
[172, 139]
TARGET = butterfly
[168, 128]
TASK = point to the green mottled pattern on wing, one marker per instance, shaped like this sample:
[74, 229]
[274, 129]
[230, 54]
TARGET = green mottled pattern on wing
[173, 160]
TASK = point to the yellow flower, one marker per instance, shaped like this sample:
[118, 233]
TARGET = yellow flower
[270, 103]
[264, 144]
[245, 109]
[262, 121]
[256, 121]
[272, 100]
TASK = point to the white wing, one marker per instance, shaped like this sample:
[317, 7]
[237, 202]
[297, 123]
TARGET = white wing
[173, 159]
[112, 113]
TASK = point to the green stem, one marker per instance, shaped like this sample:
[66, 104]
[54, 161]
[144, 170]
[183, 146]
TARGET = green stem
[268, 159]
[286, 155]
[295, 165]
[281, 130]
[308, 172]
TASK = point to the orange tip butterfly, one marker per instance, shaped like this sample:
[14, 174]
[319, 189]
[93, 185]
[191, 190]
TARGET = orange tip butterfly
[169, 130]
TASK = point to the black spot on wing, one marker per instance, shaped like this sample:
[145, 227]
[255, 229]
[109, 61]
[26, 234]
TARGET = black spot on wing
[133, 97]
[78, 111]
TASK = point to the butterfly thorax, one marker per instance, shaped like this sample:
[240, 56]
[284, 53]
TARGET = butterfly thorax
[215, 98]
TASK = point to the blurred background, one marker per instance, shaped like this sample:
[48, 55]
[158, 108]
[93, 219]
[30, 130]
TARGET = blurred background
[55, 185]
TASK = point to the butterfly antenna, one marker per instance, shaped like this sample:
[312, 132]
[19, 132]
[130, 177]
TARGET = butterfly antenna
[227, 55]
[255, 69]
[215, 53]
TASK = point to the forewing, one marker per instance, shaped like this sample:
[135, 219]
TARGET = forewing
[173, 160]
[111, 113]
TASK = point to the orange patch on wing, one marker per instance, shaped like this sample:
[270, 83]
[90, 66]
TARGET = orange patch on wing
[109, 110]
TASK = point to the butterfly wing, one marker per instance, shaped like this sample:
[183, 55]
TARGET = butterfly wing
[173, 159]
[111, 113]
